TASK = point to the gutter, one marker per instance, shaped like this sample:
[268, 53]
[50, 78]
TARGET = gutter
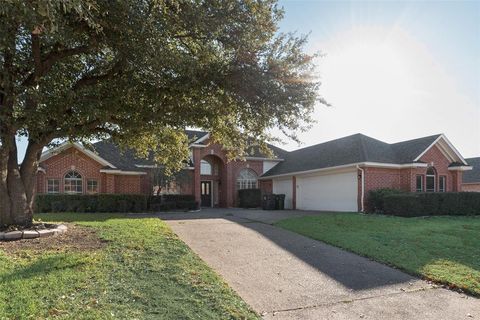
[362, 197]
[351, 165]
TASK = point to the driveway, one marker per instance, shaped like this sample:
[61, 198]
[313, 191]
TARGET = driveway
[283, 275]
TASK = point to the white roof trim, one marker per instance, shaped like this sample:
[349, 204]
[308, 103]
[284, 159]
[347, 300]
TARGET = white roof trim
[198, 145]
[205, 137]
[450, 145]
[57, 150]
[358, 164]
[460, 168]
[121, 172]
[264, 159]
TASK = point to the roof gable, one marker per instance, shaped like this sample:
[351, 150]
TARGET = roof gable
[67, 145]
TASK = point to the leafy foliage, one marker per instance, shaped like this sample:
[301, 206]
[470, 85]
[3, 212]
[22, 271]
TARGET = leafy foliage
[140, 71]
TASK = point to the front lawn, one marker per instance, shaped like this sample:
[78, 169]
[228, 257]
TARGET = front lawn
[443, 249]
[110, 267]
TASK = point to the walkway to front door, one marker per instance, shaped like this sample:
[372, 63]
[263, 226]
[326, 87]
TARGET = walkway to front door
[283, 275]
[206, 193]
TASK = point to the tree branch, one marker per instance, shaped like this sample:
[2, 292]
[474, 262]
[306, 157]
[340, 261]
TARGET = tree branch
[49, 61]
[88, 80]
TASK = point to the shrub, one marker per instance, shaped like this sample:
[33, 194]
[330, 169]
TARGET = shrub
[431, 204]
[90, 203]
[169, 202]
[375, 199]
[250, 198]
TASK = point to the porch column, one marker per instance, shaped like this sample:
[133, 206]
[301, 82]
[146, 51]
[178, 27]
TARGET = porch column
[196, 174]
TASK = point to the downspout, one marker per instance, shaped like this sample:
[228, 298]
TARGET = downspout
[362, 194]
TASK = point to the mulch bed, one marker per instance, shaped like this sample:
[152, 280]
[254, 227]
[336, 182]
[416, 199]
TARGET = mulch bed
[77, 238]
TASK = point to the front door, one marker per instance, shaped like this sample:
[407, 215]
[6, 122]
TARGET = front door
[206, 192]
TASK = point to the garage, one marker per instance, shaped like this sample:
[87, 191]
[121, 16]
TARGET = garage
[284, 186]
[335, 192]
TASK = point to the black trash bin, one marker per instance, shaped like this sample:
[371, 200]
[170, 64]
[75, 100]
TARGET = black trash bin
[268, 202]
[279, 201]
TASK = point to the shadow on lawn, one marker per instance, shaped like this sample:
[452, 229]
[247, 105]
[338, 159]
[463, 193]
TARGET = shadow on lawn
[352, 271]
[43, 266]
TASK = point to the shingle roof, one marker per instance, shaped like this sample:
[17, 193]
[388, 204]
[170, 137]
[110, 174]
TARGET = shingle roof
[194, 135]
[122, 159]
[349, 150]
[472, 176]
[127, 159]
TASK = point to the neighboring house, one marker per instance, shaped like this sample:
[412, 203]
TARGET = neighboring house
[471, 179]
[71, 168]
[337, 175]
[334, 175]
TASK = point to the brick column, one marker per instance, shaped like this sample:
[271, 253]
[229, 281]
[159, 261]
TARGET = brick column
[196, 174]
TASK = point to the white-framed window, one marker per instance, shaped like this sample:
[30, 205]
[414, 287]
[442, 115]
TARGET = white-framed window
[247, 179]
[442, 183]
[73, 182]
[205, 167]
[419, 183]
[92, 186]
[430, 180]
[53, 185]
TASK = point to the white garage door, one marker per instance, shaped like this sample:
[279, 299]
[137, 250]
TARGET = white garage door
[285, 187]
[336, 192]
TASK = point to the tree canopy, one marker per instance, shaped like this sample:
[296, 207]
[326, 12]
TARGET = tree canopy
[140, 72]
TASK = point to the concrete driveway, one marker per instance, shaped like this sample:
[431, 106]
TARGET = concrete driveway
[283, 275]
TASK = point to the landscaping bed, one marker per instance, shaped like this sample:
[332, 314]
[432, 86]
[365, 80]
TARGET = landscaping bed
[109, 266]
[445, 250]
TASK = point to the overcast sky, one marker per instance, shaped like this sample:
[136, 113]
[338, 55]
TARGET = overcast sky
[394, 70]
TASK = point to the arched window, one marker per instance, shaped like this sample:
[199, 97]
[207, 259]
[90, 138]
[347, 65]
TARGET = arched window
[430, 180]
[205, 167]
[73, 182]
[247, 179]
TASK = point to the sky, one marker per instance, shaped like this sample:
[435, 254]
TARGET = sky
[393, 70]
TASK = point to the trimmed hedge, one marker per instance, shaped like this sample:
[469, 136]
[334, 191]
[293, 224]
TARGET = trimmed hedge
[375, 200]
[91, 203]
[112, 203]
[432, 204]
[249, 198]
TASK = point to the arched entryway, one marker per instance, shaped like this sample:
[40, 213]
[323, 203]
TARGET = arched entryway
[212, 184]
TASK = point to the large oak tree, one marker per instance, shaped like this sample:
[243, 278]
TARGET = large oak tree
[139, 72]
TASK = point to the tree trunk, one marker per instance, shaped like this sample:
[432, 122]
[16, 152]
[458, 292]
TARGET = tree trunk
[17, 183]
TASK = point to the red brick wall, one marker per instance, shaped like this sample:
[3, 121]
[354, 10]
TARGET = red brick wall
[227, 175]
[471, 187]
[435, 157]
[72, 159]
[128, 184]
[405, 179]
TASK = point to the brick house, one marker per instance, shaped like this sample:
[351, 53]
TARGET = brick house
[72, 168]
[335, 175]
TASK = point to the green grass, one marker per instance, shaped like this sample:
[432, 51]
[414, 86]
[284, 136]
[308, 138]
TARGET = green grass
[443, 249]
[144, 272]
